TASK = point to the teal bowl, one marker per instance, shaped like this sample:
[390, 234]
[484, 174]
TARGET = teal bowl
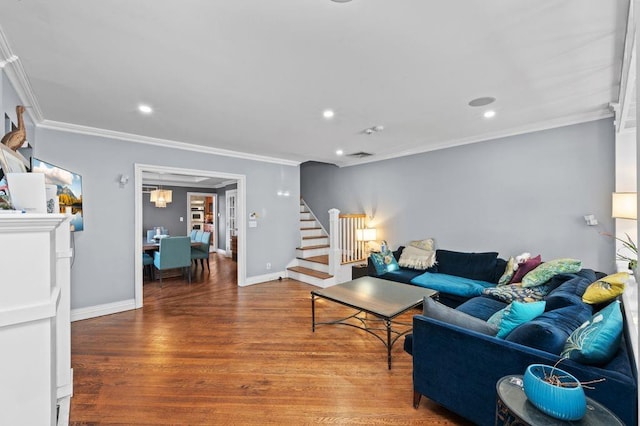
[561, 402]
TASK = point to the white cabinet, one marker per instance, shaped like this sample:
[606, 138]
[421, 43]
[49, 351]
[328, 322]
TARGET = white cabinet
[35, 328]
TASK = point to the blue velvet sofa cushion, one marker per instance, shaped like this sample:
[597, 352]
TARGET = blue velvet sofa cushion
[402, 275]
[475, 266]
[451, 284]
[433, 309]
[573, 283]
[549, 331]
[481, 307]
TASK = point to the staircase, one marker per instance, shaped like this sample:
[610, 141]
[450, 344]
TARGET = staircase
[311, 264]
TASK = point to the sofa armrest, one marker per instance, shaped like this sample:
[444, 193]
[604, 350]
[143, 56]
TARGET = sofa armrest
[459, 369]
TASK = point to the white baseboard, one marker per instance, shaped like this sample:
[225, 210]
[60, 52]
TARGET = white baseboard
[100, 310]
[264, 278]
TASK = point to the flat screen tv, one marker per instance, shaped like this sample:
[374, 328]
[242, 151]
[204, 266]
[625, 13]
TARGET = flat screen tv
[69, 191]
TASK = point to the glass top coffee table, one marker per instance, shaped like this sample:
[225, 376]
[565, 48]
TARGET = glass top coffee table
[383, 299]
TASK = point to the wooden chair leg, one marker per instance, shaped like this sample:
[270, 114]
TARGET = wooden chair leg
[416, 399]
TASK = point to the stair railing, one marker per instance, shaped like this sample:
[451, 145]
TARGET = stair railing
[343, 244]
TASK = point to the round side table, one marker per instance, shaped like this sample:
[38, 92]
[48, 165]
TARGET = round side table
[513, 408]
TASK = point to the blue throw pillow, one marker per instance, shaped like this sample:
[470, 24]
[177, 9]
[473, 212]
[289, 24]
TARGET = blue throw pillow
[384, 262]
[515, 314]
[550, 331]
[597, 340]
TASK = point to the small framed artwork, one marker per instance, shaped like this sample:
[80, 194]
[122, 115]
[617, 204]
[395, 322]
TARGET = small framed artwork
[11, 161]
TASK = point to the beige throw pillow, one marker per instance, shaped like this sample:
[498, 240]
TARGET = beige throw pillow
[426, 244]
[415, 258]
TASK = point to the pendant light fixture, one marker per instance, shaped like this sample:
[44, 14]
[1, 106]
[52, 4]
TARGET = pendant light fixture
[161, 197]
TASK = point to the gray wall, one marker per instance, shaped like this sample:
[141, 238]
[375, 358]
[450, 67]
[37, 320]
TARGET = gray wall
[522, 193]
[103, 269]
[169, 216]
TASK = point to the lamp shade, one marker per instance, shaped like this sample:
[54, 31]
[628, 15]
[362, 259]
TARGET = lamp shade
[366, 234]
[161, 197]
[624, 205]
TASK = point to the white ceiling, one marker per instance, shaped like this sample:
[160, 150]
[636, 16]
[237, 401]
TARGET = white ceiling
[253, 76]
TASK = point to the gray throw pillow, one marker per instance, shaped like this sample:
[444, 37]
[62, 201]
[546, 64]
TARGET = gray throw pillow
[435, 310]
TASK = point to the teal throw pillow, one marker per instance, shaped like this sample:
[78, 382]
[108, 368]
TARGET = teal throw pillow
[548, 270]
[597, 340]
[515, 314]
[384, 262]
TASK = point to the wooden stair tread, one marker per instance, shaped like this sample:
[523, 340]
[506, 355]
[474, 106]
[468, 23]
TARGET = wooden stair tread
[312, 247]
[323, 259]
[310, 272]
[314, 237]
[310, 229]
[307, 220]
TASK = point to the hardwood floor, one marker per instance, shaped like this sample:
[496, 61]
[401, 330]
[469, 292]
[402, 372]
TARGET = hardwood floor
[214, 353]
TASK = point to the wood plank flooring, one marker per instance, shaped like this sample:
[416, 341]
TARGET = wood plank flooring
[213, 353]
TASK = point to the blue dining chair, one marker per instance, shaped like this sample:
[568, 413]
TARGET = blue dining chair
[175, 252]
[150, 234]
[201, 251]
[147, 263]
[194, 232]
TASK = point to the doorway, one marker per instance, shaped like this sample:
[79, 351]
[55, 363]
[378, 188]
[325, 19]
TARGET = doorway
[240, 203]
[202, 215]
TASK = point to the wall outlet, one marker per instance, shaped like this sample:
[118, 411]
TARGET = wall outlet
[268, 266]
[181, 219]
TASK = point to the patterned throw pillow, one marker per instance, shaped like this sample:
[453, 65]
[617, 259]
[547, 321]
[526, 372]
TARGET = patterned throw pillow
[513, 315]
[515, 292]
[605, 289]
[597, 340]
[548, 270]
[508, 272]
[384, 262]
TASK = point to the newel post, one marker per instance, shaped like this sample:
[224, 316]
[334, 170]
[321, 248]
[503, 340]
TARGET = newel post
[335, 255]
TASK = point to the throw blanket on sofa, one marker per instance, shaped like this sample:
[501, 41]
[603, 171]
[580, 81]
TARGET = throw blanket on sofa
[451, 284]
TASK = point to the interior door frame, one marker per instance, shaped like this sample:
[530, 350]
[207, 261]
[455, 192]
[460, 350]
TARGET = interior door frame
[227, 232]
[241, 201]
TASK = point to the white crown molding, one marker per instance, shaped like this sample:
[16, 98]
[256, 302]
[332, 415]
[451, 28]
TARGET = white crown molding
[166, 143]
[12, 66]
[535, 127]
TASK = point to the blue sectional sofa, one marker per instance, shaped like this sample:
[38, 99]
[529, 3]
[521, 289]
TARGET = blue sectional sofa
[458, 368]
[456, 275]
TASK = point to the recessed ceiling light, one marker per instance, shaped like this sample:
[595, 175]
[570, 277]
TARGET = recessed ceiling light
[478, 102]
[145, 109]
[339, 152]
[489, 113]
[328, 113]
[341, 1]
